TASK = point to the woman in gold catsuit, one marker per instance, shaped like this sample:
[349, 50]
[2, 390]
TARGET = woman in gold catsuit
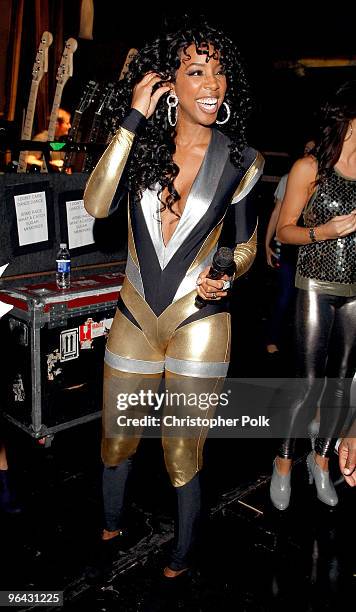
[180, 152]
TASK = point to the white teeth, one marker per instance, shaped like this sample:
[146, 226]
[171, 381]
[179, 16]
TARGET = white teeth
[208, 100]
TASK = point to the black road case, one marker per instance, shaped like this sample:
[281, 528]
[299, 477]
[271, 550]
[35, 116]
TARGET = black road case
[53, 352]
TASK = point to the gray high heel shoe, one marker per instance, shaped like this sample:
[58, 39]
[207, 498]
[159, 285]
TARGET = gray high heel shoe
[280, 489]
[324, 486]
[313, 431]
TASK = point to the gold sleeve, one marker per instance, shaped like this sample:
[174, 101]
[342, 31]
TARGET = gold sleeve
[244, 255]
[105, 178]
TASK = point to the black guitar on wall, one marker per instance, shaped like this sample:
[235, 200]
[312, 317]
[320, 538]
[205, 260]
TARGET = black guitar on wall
[72, 160]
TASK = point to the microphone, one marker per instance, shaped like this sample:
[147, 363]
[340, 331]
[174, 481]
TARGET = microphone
[223, 263]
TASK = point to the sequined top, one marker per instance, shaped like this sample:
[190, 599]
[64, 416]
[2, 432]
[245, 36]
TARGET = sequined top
[329, 266]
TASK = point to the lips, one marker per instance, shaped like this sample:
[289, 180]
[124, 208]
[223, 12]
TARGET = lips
[208, 105]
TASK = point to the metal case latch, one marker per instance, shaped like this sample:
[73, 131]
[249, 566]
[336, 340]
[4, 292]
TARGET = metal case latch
[58, 316]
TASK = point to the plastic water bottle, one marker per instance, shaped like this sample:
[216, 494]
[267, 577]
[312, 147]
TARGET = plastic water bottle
[63, 267]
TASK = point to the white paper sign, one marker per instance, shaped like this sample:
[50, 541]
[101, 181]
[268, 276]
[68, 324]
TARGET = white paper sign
[31, 213]
[80, 225]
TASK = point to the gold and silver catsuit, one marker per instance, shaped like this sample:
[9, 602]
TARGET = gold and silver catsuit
[157, 328]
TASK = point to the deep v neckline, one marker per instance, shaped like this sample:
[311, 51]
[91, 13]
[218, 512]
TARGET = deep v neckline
[201, 194]
[189, 197]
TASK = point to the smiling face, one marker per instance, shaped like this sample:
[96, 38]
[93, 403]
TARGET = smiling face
[200, 86]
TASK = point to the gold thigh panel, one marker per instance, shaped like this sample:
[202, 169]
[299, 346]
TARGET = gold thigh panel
[183, 444]
[204, 340]
[120, 442]
[127, 340]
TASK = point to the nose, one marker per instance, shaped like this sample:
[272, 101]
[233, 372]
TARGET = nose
[211, 82]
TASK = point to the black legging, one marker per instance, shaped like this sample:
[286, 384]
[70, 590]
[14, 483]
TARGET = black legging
[326, 347]
[188, 496]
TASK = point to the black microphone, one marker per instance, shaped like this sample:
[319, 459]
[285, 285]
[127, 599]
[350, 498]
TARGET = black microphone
[223, 263]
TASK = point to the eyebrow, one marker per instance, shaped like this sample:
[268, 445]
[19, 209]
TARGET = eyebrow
[200, 64]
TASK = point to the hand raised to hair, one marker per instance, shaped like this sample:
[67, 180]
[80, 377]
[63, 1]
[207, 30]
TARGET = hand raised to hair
[142, 99]
[339, 226]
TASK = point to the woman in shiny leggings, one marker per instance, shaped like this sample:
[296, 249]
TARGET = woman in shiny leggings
[322, 186]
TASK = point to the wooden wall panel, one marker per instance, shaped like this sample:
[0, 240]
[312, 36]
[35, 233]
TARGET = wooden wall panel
[5, 24]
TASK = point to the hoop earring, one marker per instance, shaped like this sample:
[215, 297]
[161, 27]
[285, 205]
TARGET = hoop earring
[228, 113]
[351, 130]
[172, 102]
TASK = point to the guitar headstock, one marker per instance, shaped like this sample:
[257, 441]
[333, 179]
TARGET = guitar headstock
[106, 95]
[65, 69]
[129, 57]
[88, 97]
[41, 62]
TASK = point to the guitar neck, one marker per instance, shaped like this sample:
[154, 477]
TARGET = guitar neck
[97, 120]
[55, 107]
[40, 66]
[26, 133]
[72, 137]
[88, 157]
[95, 128]
[53, 121]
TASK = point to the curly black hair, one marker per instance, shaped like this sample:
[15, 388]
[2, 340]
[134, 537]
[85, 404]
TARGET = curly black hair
[151, 161]
[335, 119]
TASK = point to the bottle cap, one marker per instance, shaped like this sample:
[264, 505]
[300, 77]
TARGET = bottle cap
[63, 245]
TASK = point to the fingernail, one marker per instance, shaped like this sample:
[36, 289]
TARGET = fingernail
[199, 281]
[347, 471]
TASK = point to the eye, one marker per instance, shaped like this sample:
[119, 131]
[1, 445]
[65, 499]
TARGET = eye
[195, 72]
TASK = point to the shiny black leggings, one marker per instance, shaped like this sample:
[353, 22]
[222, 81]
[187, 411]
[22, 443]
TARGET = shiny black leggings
[325, 338]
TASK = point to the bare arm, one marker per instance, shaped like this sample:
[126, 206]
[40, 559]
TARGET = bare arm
[300, 187]
[271, 230]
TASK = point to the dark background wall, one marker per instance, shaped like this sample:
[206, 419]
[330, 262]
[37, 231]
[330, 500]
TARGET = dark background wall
[286, 98]
[273, 43]
[269, 38]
